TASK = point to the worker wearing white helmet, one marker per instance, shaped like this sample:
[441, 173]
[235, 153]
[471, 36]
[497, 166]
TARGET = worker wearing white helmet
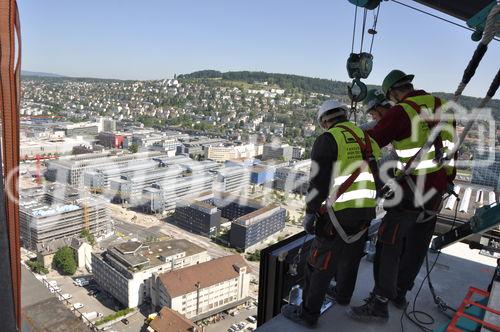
[330, 110]
[337, 211]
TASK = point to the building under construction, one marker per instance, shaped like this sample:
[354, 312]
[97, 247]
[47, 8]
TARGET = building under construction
[42, 223]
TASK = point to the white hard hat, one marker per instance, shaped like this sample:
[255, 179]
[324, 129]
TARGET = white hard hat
[329, 105]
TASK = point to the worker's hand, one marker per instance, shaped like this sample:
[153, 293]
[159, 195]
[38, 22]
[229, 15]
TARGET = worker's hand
[309, 223]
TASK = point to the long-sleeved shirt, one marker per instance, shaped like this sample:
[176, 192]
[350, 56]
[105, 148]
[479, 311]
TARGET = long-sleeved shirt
[396, 125]
[324, 155]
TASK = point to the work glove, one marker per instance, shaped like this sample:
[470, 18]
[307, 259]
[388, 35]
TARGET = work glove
[309, 223]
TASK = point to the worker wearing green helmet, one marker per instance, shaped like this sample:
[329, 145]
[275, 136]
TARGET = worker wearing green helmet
[376, 104]
[407, 227]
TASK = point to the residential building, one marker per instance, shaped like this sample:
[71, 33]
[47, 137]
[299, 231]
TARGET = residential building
[125, 270]
[204, 289]
[256, 226]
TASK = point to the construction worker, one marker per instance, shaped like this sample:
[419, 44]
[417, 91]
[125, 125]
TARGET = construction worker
[407, 227]
[340, 224]
[375, 104]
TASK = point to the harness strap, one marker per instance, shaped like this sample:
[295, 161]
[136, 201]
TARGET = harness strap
[431, 123]
[366, 150]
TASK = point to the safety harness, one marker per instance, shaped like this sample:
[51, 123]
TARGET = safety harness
[371, 162]
[425, 214]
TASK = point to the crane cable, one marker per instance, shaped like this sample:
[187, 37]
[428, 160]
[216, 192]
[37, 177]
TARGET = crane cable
[436, 16]
[489, 33]
[372, 31]
[482, 47]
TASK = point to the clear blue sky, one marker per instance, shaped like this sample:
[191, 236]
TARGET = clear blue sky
[156, 38]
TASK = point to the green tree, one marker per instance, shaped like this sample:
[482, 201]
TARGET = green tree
[37, 267]
[133, 148]
[87, 235]
[64, 261]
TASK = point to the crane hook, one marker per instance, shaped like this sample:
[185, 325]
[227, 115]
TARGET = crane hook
[357, 97]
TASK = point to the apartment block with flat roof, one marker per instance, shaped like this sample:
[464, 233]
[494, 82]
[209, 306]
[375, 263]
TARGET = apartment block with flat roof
[125, 270]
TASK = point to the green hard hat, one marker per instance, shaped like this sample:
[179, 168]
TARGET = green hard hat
[374, 97]
[394, 77]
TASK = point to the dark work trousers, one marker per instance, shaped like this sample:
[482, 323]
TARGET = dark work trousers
[331, 257]
[401, 248]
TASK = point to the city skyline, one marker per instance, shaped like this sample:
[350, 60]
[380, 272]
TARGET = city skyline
[281, 37]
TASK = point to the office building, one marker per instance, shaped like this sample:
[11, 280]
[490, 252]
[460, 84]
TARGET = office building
[128, 188]
[197, 217]
[163, 196]
[486, 168]
[293, 177]
[256, 226]
[261, 174]
[277, 151]
[125, 270]
[224, 152]
[233, 179]
[204, 289]
[297, 152]
[70, 170]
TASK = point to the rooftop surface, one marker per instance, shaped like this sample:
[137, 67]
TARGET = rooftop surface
[42, 311]
[457, 269]
[183, 281]
[169, 320]
[150, 252]
[248, 218]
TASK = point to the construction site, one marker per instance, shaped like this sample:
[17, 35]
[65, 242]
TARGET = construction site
[51, 213]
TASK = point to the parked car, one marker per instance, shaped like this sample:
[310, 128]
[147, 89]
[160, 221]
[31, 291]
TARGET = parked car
[65, 296]
[125, 321]
[78, 305]
[92, 315]
[250, 328]
[235, 327]
[241, 325]
[55, 289]
[93, 292]
[81, 282]
[251, 319]
[231, 330]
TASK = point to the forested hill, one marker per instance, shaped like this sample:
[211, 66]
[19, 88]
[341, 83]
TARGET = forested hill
[311, 84]
[285, 81]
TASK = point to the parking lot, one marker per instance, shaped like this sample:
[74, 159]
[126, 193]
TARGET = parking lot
[225, 324]
[100, 302]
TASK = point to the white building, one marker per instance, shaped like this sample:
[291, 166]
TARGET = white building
[222, 153]
[203, 289]
[125, 270]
